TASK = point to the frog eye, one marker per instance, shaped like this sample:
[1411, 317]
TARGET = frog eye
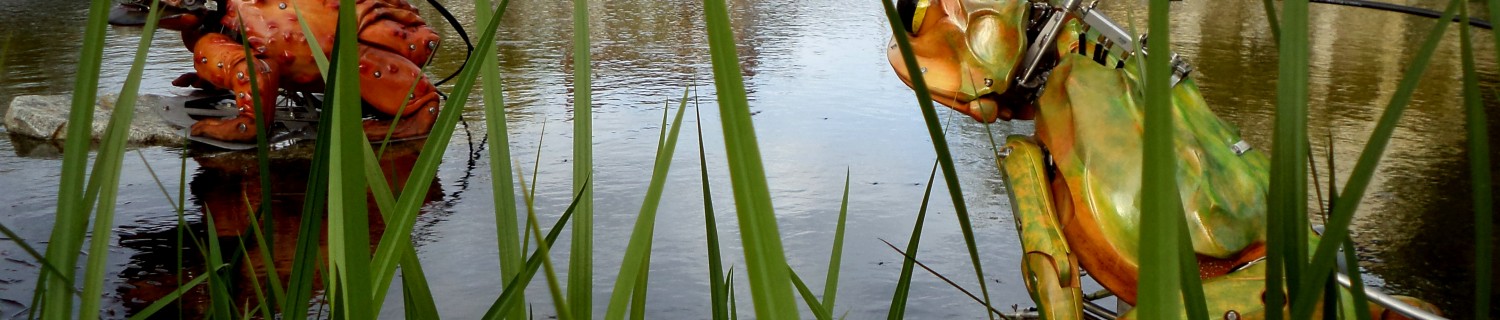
[913, 13]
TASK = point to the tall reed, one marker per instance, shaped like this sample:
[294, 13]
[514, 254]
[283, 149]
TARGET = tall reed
[765, 263]
[581, 257]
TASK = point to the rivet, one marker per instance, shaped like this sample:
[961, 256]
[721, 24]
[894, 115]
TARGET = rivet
[203, 60]
[432, 110]
[377, 74]
[244, 96]
[411, 46]
[924, 70]
[1231, 315]
[431, 44]
[242, 127]
[240, 75]
[221, 64]
[989, 82]
[282, 6]
[410, 96]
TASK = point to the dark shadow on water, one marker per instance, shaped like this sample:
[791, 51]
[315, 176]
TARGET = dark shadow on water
[227, 187]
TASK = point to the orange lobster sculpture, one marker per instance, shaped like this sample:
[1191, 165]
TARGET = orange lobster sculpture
[394, 43]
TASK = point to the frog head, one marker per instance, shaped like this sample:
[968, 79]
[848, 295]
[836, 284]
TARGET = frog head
[968, 51]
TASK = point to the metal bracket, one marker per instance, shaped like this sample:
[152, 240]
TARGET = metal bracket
[1049, 19]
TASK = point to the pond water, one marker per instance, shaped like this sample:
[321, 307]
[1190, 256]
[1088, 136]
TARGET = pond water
[825, 101]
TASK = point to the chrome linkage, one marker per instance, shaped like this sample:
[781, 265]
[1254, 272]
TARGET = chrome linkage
[1048, 21]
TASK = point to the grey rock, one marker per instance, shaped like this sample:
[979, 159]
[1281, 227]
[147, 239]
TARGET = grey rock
[46, 117]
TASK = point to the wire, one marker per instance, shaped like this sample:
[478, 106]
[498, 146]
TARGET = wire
[461, 33]
[1481, 23]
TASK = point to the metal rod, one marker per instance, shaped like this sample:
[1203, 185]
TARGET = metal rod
[1389, 302]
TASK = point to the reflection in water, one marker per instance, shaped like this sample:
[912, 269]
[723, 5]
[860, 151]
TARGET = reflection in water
[227, 188]
[826, 101]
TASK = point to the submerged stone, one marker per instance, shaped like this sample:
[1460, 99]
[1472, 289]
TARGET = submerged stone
[46, 117]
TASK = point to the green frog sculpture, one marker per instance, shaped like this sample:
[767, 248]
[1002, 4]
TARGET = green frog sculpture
[1075, 185]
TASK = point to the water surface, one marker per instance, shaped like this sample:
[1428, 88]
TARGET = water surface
[825, 101]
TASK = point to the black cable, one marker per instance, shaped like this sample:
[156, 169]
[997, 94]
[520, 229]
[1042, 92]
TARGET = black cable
[1481, 23]
[461, 33]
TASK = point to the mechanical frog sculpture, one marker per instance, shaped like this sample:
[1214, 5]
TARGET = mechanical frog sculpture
[1075, 186]
[394, 43]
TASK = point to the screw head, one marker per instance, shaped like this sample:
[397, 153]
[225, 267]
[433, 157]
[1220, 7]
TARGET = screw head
[1231, 315]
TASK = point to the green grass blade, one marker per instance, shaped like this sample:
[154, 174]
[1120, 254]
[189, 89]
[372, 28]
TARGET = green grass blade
[71, 220]
[831, 284]
[260, 294]
[581, 256]
[305, 257]
[808, 297]
[312, 43]
[278, 293]
[1271, 20]
[512, 256]
[348, 212]
[717, 291]
[903, 282]
[416, 294]
[511, 296]
[1287, 204]
[734, 310]
[30, 251]
[940, 145]
[111, 156]
[262, 144]
[221, 305]
[638, 251]
[1476, 123]
[162, 302]
[1354, 190]
[397, 235]
[1163, 240]
[558, 301]
[1479, 175]
[765, 262]
[638, 298]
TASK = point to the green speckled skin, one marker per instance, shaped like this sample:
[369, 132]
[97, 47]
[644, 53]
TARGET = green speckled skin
[1048, 268]
[1090, 117]
[1081, 207]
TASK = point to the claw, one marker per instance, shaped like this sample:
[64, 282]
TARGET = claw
[233, 129]
[411, 125]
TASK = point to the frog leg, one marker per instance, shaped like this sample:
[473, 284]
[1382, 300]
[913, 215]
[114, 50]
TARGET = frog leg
[220, 60]
[1049, 268]
[387, 80]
